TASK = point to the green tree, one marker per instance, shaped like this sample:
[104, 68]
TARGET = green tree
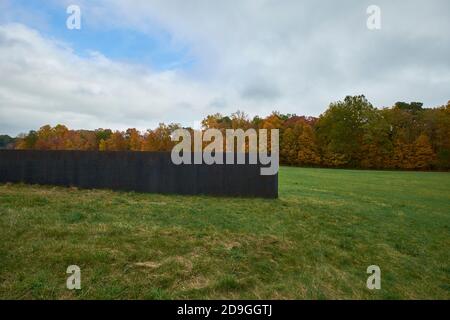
[340, 130]
[6, 142]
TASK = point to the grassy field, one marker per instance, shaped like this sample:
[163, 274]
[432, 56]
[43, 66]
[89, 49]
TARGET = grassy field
[314, 242]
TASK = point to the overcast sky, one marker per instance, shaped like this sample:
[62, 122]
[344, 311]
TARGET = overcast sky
[137, 63]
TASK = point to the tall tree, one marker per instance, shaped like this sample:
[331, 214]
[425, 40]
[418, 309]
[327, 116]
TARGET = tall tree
[424, 154]
[134, 139]
[308, 154]
[116, 142]
[340, 130]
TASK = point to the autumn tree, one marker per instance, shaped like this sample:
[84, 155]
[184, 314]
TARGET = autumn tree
[27, 141]
[350, 133]
[289, 145]
[134, 139]
[116, 142]
[274, 121]
[213, 121]
[424, 154]
[308, 153]
[376, 143]
[441, 137]
[240, 120]
[159, 139]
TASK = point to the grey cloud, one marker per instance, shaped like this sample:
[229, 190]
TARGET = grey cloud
[262, 91]
[299, 55]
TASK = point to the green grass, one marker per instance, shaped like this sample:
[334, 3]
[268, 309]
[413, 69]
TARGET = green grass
[314, 242]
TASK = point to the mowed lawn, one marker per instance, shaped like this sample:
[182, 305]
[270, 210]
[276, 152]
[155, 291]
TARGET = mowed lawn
[314, 242]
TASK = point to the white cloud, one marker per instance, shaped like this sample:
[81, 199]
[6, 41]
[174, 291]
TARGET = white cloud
[255, 55]
[45, 82]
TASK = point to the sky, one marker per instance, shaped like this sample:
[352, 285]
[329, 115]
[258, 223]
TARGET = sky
[136, 63]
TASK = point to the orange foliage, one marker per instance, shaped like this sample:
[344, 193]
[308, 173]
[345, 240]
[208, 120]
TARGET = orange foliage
[351, 133]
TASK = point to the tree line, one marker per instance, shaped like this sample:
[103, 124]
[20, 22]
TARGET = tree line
[6, 142]
[350, 134]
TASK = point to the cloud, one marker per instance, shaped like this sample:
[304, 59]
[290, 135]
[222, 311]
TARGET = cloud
[304, 54]
[260, 91]
[45, 82]
[254, 55]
